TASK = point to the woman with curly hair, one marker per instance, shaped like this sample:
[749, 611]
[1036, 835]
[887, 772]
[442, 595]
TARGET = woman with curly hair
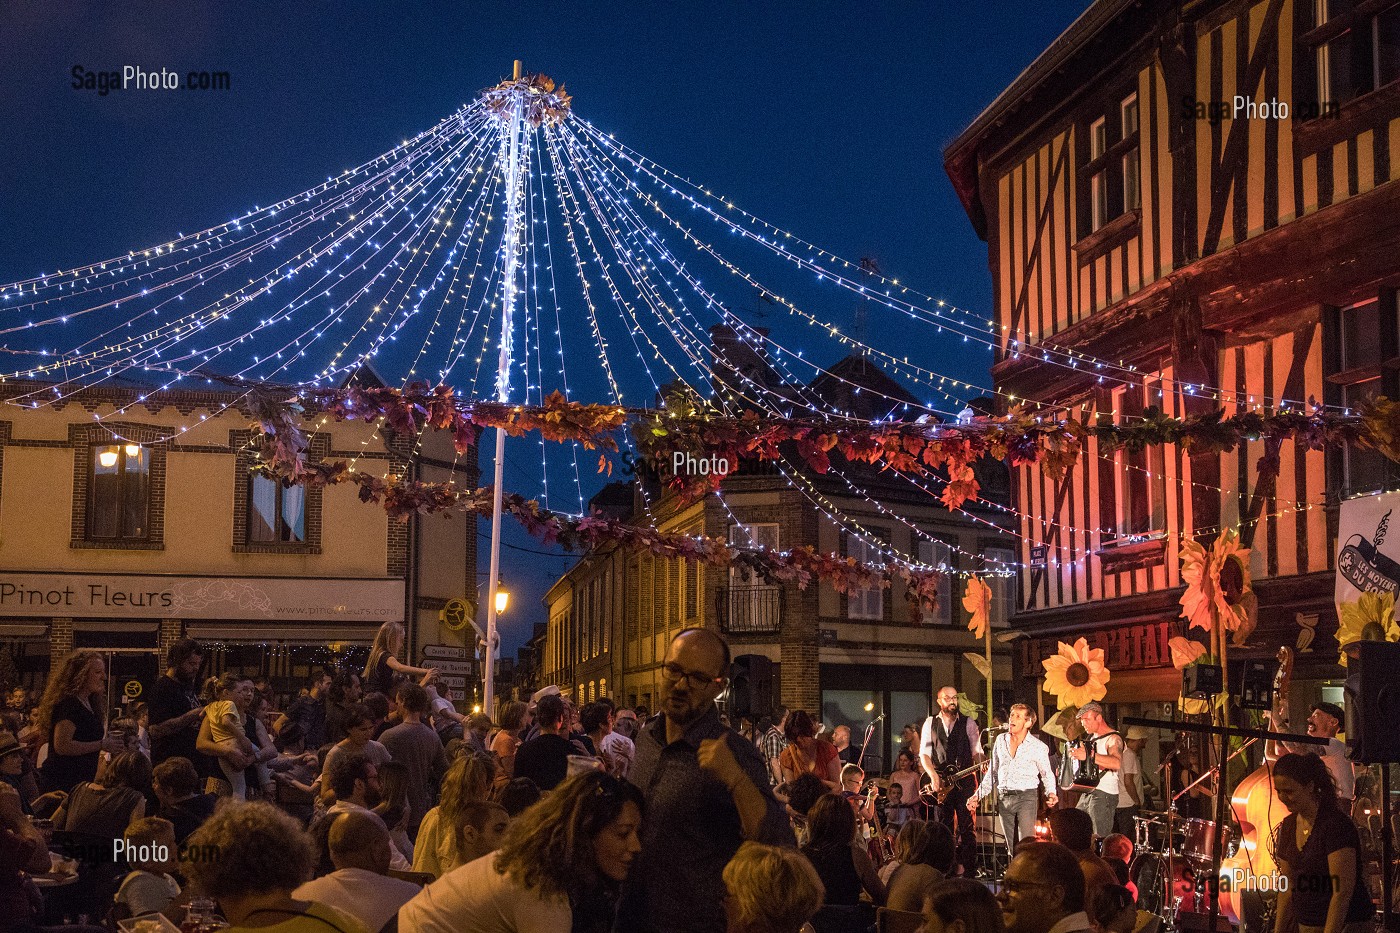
[250, 857]
[437, 848]
[71, 717]
[560, 870]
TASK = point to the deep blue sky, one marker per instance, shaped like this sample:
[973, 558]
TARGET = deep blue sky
[827, 118]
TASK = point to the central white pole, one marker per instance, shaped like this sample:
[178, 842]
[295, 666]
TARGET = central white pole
[511, 245]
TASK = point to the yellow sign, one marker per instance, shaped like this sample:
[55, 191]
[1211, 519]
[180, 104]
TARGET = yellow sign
[132, 688]
[455, 614]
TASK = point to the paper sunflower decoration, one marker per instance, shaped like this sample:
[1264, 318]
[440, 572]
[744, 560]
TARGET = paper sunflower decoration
[1218, 586]
[1076, 674]
[977, 600]
[1185, 651]
[1370, 618]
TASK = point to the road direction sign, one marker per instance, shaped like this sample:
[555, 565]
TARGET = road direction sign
[452, 652]
[453, 667]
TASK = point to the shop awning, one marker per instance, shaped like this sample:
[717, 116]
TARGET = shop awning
[1158, 684]
[301, 635]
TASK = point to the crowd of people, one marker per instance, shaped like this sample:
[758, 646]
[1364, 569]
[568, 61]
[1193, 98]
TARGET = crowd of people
[371, 803]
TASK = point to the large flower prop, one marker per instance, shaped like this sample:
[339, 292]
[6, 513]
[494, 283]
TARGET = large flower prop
[977, 601]
[1370, 618]
[1185, 651]
[1219, 591]
[1076, 674]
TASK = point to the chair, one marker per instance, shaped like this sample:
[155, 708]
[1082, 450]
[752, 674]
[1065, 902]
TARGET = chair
[840, 918]
[420, 878]
[898, 921]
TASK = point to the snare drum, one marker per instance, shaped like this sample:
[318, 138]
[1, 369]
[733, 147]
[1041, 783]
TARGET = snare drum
[1200, 842]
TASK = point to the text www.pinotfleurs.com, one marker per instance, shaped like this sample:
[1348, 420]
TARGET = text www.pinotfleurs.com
[136, 78]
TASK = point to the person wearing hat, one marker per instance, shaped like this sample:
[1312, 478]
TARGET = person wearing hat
[16, 771]
[1099, 752]
[1130, 780]
[1324, 722]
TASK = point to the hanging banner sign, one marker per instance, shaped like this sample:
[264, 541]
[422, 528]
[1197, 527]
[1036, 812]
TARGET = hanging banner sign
[1368, 553]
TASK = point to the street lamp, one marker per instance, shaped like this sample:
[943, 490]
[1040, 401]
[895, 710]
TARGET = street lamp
[502, 598]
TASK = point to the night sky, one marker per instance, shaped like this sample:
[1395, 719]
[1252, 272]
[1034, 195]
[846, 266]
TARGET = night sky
[827, 119]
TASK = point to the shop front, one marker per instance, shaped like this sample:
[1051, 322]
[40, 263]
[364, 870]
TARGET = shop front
[278, 628]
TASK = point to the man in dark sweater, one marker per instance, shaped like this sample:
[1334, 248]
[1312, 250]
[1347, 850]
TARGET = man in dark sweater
[175, 711]
[545, 758]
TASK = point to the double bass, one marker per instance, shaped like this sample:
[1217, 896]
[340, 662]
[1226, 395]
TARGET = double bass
[1257, 809]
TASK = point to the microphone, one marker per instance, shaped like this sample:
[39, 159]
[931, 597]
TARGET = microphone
[878, 718]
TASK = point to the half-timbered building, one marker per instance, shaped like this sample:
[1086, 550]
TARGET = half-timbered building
[1191, 206]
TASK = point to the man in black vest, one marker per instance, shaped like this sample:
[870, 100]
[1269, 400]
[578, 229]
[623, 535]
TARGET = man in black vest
[952, 742]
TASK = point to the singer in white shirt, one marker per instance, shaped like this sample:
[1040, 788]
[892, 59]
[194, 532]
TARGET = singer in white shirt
[1020, 766]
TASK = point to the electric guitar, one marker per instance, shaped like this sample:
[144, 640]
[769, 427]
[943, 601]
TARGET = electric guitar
[948, 779]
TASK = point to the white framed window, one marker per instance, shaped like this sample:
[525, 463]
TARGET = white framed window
[868, 603]
[1098, 184]
[938, 553]
[1132, 183]
[119, 493]
[1001, 579]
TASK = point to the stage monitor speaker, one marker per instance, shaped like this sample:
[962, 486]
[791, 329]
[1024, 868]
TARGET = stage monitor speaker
[1256, 680]
[1201, 680]
[1373, 703]
[750, 687]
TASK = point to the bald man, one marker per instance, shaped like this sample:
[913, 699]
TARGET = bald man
[359, 848]
[707, 792]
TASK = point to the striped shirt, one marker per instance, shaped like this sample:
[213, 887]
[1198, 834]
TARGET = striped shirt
[1022, 771]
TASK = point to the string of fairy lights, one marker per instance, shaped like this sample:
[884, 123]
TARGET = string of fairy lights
[379, 264]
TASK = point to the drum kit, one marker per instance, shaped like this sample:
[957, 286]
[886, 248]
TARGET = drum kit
[1172, 864]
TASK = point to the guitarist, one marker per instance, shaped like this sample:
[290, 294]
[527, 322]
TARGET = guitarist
[1020, 766]
[1099, 758]
[951, 742]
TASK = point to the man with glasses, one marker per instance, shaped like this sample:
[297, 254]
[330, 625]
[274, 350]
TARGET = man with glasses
[706, 791]
[1043, 891]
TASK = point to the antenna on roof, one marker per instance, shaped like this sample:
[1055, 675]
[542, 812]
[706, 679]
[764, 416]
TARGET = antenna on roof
[868, 271]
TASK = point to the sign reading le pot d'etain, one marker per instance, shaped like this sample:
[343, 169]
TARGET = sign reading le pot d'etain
[132, 596]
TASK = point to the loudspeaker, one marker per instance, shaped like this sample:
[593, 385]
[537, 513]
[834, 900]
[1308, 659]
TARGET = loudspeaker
[1256, 680]
[1373, 703]
[1201, 680]
[750, 687]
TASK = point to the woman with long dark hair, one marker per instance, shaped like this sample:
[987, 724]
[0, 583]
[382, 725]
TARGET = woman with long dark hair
[844, 868]
[925, 852]
[559, 871]
[1319, 851]
[71, 718]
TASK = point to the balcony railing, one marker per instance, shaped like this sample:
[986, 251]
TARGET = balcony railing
[750, 610]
